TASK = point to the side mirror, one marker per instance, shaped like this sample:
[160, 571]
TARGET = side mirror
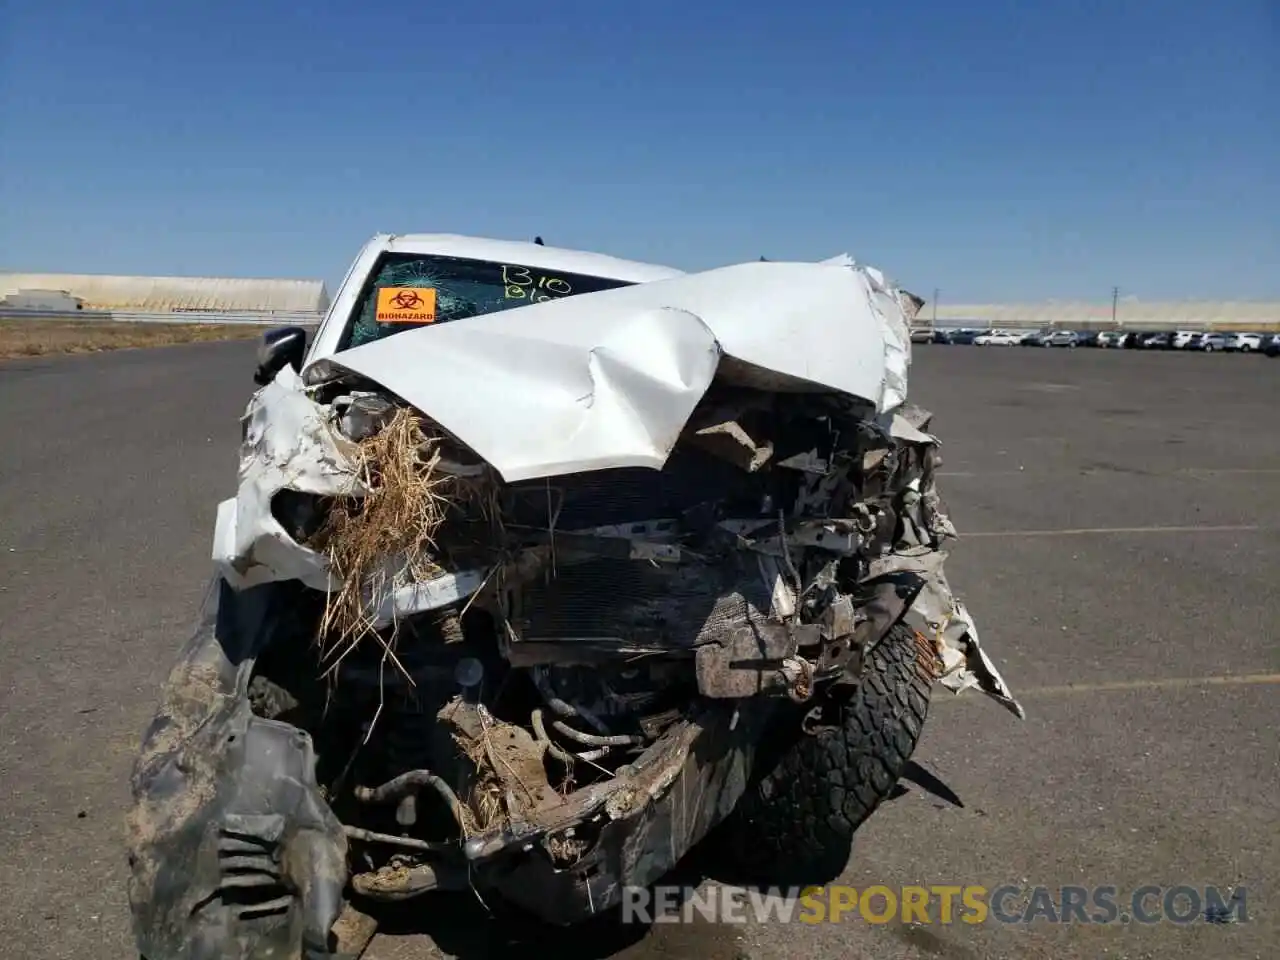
[281, 347]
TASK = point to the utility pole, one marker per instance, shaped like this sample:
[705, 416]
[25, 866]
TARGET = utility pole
[935, 306]
[1115, 295]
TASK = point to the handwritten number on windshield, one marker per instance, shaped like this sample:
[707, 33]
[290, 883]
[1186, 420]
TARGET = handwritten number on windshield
[520, 283]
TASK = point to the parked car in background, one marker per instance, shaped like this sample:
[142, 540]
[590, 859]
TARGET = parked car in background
[1109, 338]
[942, 336]
[1118, 339]
[1089, 338]
[964, 337]
[1244, 343]
[1209, 342]
[1181, 338]
[1158, 341]
[997, 338]
[1272, 346]
[1035, 338]
[1062, 338]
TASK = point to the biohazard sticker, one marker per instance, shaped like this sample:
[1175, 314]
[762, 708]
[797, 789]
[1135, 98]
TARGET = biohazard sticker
[406, 305]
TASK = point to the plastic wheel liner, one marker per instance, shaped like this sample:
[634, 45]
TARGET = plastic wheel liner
[233, 852]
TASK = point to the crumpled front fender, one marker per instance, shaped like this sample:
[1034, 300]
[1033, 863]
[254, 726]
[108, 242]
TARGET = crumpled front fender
[233, 853]
[938, 615]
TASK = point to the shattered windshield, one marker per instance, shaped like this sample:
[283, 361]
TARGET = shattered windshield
[415, 290]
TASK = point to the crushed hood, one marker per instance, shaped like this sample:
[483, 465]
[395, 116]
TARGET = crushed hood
[609, 379]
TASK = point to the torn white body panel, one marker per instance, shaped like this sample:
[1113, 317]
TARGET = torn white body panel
[289, 444]
[889, 303]
[945, 621]
[609, 379]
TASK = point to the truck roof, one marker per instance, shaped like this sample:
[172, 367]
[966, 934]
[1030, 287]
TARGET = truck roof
[524, 253]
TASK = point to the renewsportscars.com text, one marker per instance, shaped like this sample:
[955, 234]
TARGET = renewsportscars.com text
[942, 904]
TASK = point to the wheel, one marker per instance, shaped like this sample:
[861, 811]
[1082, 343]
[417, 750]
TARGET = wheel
[1245, 348]
[795, 824]
[1208, 348]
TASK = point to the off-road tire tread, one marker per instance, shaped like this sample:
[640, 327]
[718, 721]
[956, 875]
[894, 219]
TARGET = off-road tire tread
[795, 823]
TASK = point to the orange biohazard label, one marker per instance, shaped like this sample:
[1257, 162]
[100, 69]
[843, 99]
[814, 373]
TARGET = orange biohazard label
[406, 305]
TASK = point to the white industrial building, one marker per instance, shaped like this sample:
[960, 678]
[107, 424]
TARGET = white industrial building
[161, 294]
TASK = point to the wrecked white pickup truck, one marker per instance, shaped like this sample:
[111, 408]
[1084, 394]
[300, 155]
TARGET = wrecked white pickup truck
[542, 566]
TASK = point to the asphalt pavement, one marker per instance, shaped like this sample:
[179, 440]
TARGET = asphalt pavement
[1120, 548]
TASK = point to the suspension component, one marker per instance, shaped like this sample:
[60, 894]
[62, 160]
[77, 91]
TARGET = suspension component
[559, 752]
[553, 748]
[411, 723]
[407, 785]
[562, 707]
[592, 740]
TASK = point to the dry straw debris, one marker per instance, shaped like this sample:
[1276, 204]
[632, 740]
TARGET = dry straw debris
[484, 806]
[387, 538]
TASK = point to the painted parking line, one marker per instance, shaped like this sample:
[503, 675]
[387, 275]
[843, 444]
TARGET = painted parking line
[1179, 472]
[1126, 686]
[1168, 683]
[1229, 471]
[1104, 531]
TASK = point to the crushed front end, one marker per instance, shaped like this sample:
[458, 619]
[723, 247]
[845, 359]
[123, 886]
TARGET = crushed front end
[420, 676]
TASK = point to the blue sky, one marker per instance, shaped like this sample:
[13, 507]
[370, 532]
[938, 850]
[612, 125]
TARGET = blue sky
[996, 150]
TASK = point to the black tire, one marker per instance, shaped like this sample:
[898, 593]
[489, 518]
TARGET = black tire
[795, 824]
